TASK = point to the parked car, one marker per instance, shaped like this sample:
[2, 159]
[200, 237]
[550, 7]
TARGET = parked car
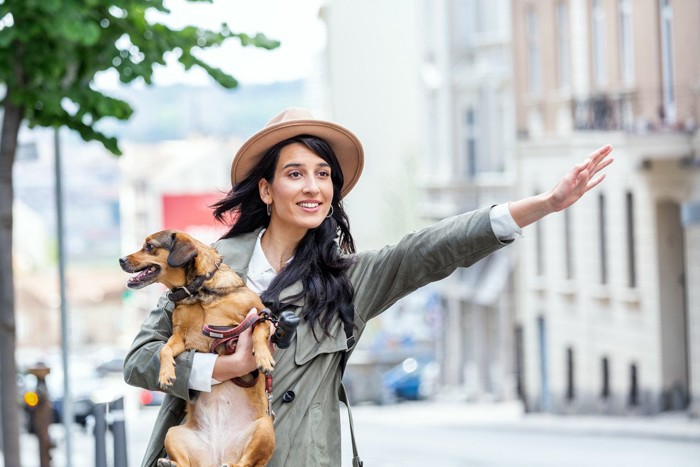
[412, 379]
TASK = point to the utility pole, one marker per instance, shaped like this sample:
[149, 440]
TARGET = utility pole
[67, 409]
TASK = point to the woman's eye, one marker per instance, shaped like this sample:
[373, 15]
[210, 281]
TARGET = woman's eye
[324, 173]
[295, 174]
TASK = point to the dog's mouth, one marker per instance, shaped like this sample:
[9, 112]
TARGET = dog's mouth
[144, 277]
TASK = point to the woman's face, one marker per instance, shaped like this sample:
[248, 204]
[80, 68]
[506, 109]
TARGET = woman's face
[301, 191]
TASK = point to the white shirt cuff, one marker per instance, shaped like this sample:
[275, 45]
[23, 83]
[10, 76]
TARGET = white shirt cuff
[202, 370]
[503, 224]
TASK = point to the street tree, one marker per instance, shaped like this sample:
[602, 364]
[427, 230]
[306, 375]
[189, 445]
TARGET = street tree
[50, 53]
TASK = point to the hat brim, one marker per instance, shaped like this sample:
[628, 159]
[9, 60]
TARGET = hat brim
[345, 145]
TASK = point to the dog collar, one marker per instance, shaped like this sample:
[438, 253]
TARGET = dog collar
[191, 289]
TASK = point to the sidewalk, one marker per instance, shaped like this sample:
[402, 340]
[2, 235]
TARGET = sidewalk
[510, 416]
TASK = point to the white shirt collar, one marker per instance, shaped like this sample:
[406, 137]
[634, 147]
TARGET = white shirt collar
[260, 271]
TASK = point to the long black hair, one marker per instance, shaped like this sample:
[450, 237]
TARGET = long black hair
[323, 256]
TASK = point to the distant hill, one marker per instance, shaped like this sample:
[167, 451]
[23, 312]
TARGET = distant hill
[174, 112]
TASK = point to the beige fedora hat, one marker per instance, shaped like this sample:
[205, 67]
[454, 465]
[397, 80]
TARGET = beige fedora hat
[296, 121]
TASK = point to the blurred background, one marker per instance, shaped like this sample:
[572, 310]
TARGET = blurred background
[460, 104]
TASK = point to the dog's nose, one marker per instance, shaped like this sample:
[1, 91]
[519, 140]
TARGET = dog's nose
[122, 261]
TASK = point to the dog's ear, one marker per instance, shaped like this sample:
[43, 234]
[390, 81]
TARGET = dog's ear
[182, 251]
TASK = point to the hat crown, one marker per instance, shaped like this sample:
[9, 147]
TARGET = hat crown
[292, 122]
[291, 114]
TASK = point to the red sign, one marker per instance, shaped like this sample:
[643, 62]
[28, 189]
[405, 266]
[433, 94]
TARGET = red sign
[191, 213]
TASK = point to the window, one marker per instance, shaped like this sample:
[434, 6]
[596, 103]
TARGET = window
[570, 390]
[633, 398]
[519, 362]
[667, 61]
[562, 32]
[631, 243]
[465, 23]
[568, 247]
[602, 240]
[539, 249]
[598, 43]
[470, 142]
[533, 49]
[605, 378]
[626, 42]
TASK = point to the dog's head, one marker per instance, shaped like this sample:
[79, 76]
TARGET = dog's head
[170, 257]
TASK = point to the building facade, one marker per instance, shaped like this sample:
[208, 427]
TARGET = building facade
[468, 163]
[608, 320]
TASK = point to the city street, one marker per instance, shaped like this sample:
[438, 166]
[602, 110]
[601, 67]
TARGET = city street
[457, 434]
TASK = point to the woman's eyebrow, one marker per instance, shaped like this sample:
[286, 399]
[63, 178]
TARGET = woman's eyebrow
[298, 164]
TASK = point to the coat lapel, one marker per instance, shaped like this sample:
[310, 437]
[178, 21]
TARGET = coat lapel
[237, 251]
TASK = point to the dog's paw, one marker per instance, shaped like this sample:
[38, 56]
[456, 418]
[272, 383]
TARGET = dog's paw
[165, 463]
[165, 385]
[166, 379]
[265, 363]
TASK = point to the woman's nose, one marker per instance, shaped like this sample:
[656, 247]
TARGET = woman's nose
[311, 186]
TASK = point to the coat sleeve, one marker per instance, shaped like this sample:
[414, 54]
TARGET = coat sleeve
[382, 277]
[142, 362]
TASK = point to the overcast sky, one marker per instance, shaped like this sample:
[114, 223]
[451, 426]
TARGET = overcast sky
[293, 22]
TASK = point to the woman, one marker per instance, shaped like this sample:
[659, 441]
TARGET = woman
[291, 242]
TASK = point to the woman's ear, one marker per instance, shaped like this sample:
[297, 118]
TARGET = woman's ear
[264, 189]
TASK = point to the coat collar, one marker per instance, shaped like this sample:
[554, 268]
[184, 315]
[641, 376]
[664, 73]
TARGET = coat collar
[237, 252]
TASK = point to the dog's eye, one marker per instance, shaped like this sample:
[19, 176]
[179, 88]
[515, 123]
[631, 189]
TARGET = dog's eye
[148, 247]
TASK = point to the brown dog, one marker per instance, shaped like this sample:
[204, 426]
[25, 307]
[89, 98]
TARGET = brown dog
[231, 425]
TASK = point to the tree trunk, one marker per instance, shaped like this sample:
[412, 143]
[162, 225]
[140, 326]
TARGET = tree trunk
[12, 119]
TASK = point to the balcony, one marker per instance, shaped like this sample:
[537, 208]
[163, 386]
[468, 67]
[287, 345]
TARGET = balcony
[638, 111]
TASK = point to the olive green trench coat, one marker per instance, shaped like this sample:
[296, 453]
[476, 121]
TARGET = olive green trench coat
[307, 429]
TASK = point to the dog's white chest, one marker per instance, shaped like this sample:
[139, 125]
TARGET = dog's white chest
[223, 417]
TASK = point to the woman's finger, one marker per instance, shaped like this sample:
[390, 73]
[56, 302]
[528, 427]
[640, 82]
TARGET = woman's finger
[601, 165]
[595, 181]
[600, 153]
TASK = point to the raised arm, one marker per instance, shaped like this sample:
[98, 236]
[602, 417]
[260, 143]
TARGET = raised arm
[581, 178]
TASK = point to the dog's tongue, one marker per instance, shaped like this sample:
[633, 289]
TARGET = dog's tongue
[138, 277]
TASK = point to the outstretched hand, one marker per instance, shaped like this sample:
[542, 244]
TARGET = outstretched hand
[581, 178]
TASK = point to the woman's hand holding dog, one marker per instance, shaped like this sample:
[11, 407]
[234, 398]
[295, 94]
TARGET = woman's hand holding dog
[242, 361]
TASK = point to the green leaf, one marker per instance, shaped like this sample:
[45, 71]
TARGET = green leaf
[55, 48]
[7, 35]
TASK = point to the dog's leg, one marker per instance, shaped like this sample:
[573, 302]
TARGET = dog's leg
[186, 449]
[165, 463]
[260, 444]
[174, 347]
[261, 349]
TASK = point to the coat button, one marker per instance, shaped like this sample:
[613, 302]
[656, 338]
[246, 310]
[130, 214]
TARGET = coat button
[288, 396]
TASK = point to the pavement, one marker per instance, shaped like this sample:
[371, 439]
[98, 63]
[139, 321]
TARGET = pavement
[500, 417]
[678, 426]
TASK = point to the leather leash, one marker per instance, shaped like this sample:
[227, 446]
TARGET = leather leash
[227, 336]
